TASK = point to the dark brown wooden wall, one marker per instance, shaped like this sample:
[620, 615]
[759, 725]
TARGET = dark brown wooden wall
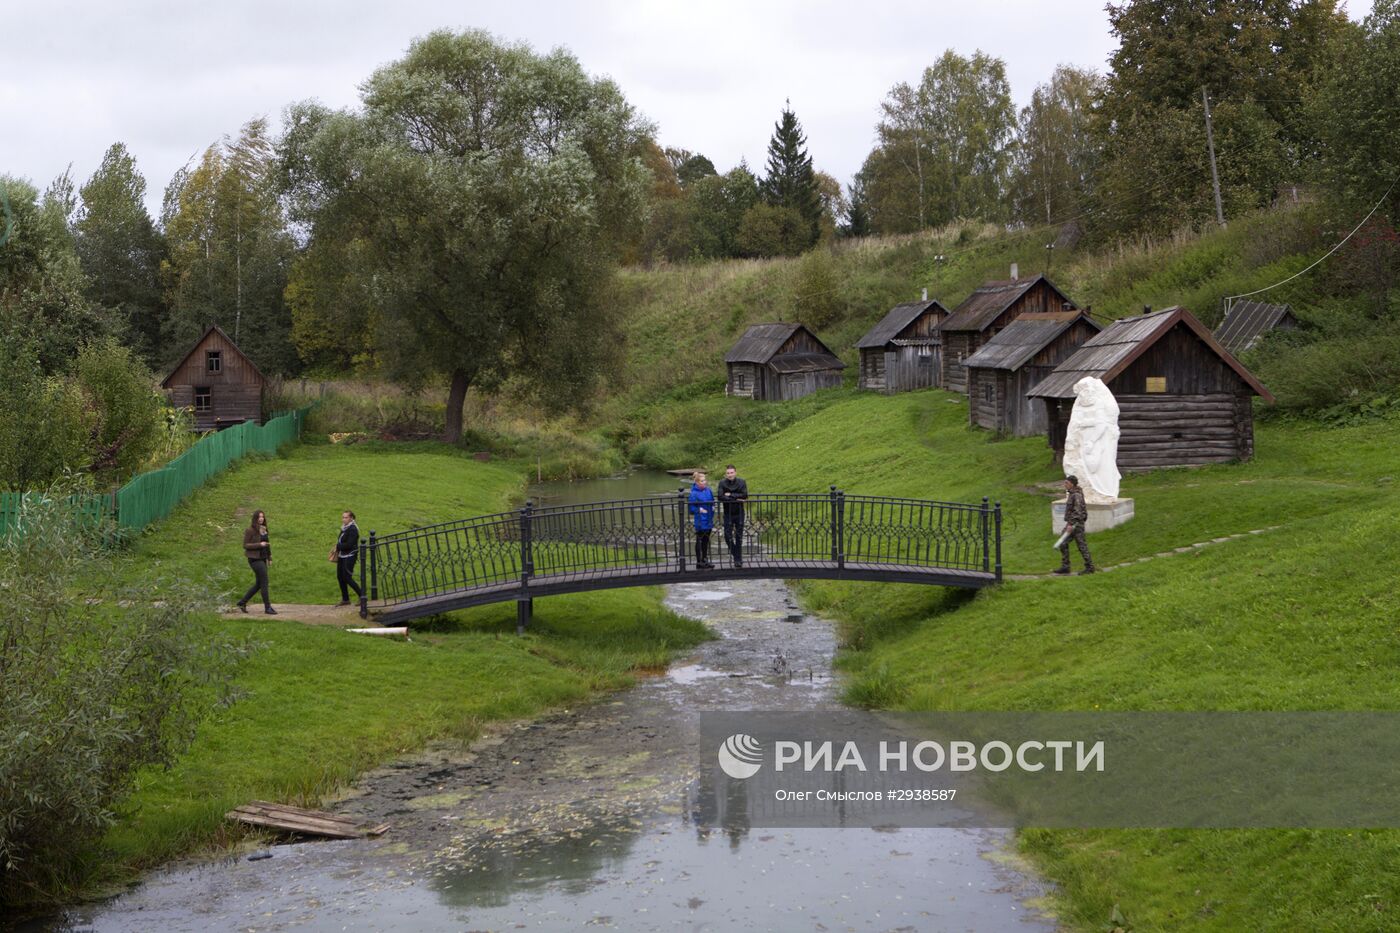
[235, 392]
[1190, 368]
[872, 368]
[744, 380]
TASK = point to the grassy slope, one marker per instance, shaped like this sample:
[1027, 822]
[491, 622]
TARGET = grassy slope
[1298, 618]
[321, 705]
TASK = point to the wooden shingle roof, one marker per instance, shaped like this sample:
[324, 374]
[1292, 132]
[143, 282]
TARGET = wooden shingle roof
[894, 321]
[981, 309]
[1248, 321]
[1023, 338]
[1113, 349]
[761, 343]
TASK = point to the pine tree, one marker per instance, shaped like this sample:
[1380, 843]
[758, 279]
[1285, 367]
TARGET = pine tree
[791, 181]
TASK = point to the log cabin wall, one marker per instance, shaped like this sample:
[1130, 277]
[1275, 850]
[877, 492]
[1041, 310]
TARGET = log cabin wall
[1182, 430]
[744, 380]
[873, 361]
[957, 347]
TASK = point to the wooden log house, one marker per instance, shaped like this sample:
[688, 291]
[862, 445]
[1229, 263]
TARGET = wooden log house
[1183, 399]
[218, 382]
[1247, 323]
[1016, 360]
[902, 351]
[985, 313]
[776, 362]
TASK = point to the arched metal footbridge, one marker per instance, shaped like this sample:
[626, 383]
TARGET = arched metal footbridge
[553, 550]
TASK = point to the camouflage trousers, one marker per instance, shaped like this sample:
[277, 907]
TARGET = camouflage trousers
[1076, 534]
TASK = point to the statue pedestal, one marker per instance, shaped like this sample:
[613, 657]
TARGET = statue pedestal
[1102, 515]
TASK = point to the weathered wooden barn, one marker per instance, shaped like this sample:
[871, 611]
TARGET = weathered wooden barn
[1183, 399]
[773, 362]
[901, 352]
[1247, 322]
[1016, 360]
[984, 313]
[217, 381]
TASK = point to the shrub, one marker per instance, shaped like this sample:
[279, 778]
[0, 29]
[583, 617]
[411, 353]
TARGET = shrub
[129, 419]
[44, 424]
[97, 680]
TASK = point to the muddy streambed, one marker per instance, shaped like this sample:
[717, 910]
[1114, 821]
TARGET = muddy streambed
[589, 817]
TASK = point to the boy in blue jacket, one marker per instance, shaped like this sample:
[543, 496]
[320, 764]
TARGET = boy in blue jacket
[702, 506]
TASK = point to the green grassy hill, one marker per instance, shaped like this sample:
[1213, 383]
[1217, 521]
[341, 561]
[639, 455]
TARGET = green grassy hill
[666, 405]
[1302, 616]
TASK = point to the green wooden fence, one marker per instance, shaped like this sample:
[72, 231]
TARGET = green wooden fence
[152, 496]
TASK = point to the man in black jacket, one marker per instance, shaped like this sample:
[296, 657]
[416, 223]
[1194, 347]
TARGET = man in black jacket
[346, 550]
[733, 493]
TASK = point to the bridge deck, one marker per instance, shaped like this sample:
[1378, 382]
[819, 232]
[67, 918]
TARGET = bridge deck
[650, 575]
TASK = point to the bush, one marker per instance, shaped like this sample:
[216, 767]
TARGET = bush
[129, 419]
[97, 680]
[44, 424]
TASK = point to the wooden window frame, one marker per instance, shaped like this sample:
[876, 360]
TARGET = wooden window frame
[213, 361]
[206, 394]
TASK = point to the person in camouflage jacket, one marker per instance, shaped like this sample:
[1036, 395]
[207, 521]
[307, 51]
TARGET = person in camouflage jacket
[1076, 514]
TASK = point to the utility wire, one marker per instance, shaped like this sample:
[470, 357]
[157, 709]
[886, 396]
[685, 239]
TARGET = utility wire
[1230, 300]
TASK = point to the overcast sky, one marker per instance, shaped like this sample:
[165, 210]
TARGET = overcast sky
[170, 78]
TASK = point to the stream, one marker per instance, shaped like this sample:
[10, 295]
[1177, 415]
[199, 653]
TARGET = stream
[589, 817]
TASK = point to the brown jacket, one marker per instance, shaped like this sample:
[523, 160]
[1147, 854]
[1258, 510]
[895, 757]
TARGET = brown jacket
[254, 546]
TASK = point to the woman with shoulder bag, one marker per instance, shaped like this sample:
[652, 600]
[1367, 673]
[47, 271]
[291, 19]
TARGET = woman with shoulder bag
[259, 553]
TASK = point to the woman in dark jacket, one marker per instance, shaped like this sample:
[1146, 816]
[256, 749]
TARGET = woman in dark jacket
[702, 506]
[259, 554]
[344, 554]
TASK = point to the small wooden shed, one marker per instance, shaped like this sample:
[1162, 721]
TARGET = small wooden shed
[1014, 361]
[984, 313]
[1247, 322]
[217, 381]
[1183, 399]
[774, 362]
[901, 352]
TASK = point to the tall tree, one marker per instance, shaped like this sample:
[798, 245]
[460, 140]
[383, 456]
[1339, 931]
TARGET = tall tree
[1355, 110]
[943, 147]
[1253, 58]
[790, 181]
[1055, 152]
[120, 250]
[230, 251]
[488, 191]
[42, 287]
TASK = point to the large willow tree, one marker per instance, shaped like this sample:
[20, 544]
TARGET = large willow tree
[465, 221]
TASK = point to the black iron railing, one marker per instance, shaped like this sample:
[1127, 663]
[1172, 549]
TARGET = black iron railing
[655, 535]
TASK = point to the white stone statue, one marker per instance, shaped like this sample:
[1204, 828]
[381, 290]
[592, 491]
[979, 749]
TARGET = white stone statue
[1091, 441]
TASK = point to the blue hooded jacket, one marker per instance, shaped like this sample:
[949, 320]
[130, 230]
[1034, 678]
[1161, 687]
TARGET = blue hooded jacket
[702, 506]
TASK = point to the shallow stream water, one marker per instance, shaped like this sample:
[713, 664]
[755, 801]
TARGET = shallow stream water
[589, 817]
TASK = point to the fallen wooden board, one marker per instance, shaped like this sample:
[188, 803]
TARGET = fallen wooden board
[402, 630]
[304, 822]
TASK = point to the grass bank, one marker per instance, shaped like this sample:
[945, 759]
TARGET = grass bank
[318, 705]
[1301, 617]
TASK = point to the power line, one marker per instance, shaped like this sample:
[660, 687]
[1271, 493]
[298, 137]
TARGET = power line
[1229, 300]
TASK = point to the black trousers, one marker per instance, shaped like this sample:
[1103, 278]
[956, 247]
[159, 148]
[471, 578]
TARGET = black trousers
[345, 574]
[734, 535]
[259, 568]
[702, 548]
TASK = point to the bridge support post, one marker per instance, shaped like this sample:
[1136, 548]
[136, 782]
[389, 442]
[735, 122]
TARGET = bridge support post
[682, 527]
[524, 605]
[364, 593]
[838, 527]
[373, 567]
[986, 543]
[998, 521]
